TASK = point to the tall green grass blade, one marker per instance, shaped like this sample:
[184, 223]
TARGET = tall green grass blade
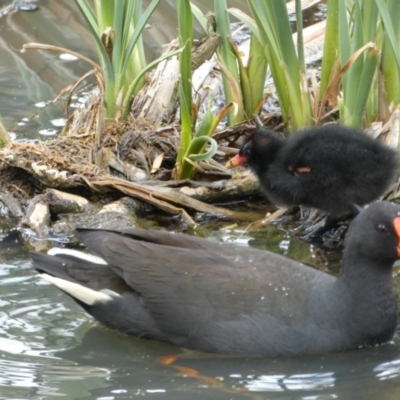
[253, 75]
[139, 27]
[234, 89]
[185, 23]
[344, 38]
[353, 75]
[104, 14]
[90, 18]
[390, 67]
[137, 57]
[359, 104]
[276, 37]
[331, 45]
[196, 145]
[247, 20]
[105, 61]
[123, 61]
[201, 18]
[393, 38]
[287, 50]
[227, 58]
[300, 47]
[139, 53]
[267, 38]
[257, 68]
[369, 22]
[358, 108]
[117, 55]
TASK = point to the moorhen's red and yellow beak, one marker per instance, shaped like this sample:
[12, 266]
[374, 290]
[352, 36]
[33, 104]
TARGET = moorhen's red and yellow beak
[396, 224]
[237, 161]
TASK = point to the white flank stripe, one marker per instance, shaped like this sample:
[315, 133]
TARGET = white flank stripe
[78, 254]
[84, 294]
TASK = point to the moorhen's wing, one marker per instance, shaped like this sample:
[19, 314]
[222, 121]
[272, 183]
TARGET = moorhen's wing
[152, 236]
[223, 291]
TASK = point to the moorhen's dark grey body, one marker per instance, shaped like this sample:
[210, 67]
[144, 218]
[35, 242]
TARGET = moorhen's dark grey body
[223, 298]
[328, 167]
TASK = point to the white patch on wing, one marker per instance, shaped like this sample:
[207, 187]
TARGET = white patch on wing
[78, 254]
[81, 293]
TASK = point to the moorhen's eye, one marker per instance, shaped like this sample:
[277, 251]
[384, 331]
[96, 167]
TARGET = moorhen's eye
[382, 229]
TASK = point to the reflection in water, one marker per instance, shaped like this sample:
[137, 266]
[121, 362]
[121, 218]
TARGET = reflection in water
[345, 375]
[49, 347]
[34, 78]
[388, 370]
[30, 81]
[272, 383]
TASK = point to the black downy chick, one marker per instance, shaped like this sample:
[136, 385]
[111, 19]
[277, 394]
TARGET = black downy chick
[330, 167]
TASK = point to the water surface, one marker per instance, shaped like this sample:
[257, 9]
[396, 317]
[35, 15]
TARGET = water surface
[50, 348]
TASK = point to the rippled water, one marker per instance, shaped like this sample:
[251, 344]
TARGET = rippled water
[50, 348]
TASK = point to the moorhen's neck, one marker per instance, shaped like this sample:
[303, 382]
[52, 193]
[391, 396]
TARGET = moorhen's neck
[364, 290]
[365, 286]
[362, 270]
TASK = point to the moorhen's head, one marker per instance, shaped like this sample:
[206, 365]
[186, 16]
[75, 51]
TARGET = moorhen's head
[374, 235]
[257, 151]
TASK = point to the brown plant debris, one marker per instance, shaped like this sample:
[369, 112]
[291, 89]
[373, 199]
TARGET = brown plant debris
[68, 163]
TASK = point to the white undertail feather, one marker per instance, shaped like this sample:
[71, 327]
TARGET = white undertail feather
[81, 293]
[78, 254]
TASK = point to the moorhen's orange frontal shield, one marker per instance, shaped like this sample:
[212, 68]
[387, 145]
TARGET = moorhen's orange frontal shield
[396, 223]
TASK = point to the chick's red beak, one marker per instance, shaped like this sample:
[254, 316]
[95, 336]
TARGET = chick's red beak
[396, 224]
[237, 161]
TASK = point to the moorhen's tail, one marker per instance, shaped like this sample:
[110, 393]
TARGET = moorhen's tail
[91, 283]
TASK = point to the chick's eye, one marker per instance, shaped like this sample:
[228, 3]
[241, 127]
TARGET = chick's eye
[382, 229]
[246, 150]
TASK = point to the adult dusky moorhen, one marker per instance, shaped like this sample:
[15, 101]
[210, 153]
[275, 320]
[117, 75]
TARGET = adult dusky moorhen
[224, 298]
[329, 167]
